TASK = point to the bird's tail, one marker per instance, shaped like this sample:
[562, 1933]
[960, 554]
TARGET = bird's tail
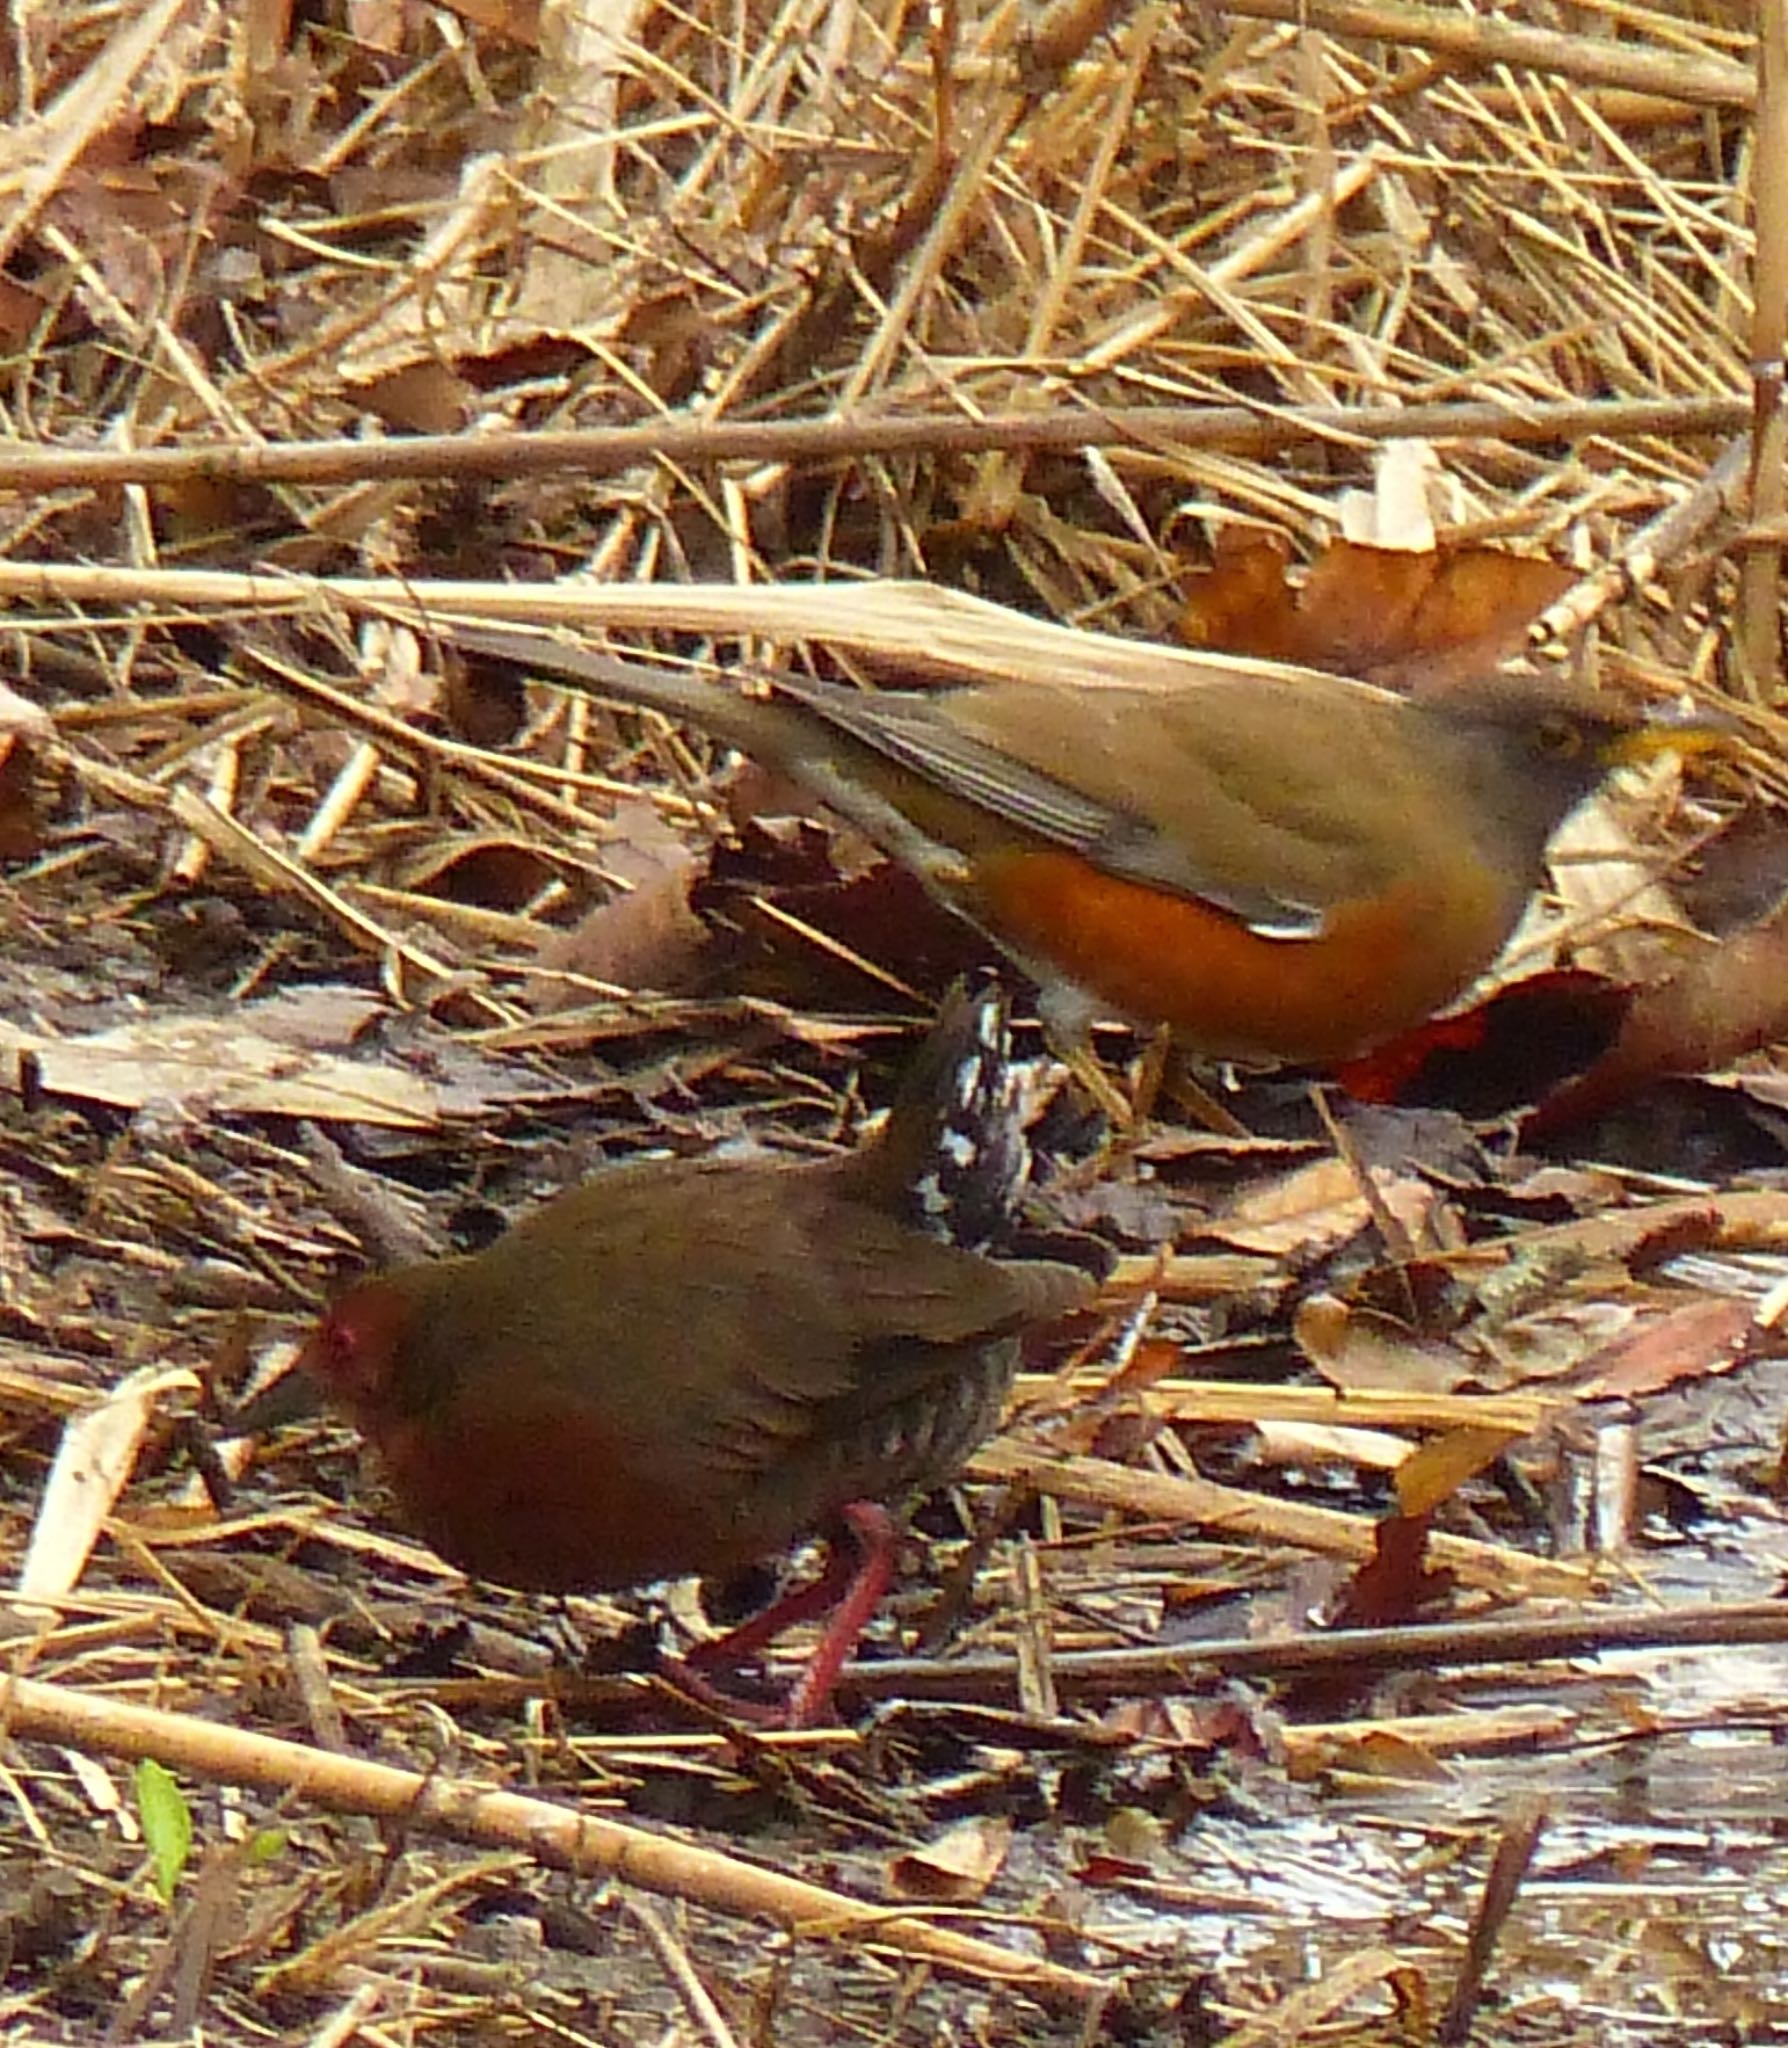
[953, 1154]
[752, 724]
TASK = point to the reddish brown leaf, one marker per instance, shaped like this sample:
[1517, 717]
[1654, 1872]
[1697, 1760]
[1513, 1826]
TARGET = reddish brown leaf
[519, 20]
[1425, 620]
[1704, 1337]
[22, 309]
[1385, 614]
[1498, 1055]
[21, 822]
[1727, 1002]
[1242, 603]
[1396, 1585]
[1682, 1232]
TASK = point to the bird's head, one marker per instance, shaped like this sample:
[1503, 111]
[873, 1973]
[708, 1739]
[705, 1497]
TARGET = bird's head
[354, 1355]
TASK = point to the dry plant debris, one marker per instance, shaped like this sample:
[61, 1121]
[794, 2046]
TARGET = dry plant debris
[906, 341]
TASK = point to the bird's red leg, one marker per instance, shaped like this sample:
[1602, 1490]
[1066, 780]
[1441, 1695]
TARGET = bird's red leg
[872, 1528]
[849, 1588]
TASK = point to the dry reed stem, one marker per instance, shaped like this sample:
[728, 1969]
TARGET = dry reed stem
[1257, 1517]
[1258, 431]
[1483, 42]
[555, 1835]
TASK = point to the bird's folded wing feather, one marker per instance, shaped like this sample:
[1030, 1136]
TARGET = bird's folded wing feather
[910, 733]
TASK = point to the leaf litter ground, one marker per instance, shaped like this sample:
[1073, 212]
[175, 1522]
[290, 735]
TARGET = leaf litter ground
[309, 952]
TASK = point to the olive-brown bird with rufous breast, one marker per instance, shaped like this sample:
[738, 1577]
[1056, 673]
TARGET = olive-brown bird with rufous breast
[1277, 864]
[684, 1366]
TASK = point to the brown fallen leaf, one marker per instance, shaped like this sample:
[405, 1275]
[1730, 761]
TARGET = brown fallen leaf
[1437, 1469]
[1242, 604]
[1388, 615]
[21, 817]
[955, 1867]
[1320, 1205]
[1359, 1351]
[647, 936]
[1727, 1002]
[1396, 1584]
[1690, 1343]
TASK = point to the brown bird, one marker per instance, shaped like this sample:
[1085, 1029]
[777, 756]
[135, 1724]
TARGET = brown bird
[1278, 865]
[685, 1366]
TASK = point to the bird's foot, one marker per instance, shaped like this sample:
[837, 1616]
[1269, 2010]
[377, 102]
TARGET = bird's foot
[848, 1590]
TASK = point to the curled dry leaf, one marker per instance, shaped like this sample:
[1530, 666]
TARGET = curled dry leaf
[1358, 1350]
[92, 1463]
[957, 1866]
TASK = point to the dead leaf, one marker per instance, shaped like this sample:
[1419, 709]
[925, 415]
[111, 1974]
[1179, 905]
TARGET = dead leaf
[957, 1866]
[21, 819]
[377, 24]
[22, 311]
[1312, 2011]
[1386, 615]
[1243, 604]
[1702, 1338]
[1498, 1055]
[519, 20]
[1320, 1205]
[1359, 1351]
[1396, 1584]
[1436, 1471]
[647, 936]
[220, 1064]
[92, 1463]
[418, 398]
[1729, 1001]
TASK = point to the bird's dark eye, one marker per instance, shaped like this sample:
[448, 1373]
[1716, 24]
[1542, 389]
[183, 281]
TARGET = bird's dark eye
[1559, 738]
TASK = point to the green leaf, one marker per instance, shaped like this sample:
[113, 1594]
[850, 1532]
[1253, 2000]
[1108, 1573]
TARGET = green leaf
[167, 1824]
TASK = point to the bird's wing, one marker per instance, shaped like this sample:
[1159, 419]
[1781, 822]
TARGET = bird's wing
[912, 733]
[904, 1317]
